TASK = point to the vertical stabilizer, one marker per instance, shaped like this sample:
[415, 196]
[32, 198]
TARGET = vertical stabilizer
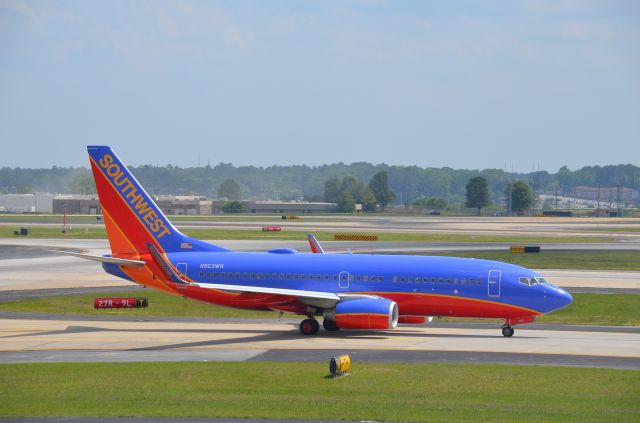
[132, 218]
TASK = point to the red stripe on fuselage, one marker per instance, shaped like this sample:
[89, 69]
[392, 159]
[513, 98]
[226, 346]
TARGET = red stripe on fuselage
[445, 305]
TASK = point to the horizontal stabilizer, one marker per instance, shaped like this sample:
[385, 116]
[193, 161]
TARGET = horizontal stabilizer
[103, 259]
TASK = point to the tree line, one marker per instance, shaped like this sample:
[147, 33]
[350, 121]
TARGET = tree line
[409, 183]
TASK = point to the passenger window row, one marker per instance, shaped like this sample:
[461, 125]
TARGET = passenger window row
[436, 280]
[288, 276]
[360, 278]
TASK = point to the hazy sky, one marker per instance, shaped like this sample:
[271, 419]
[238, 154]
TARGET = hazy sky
[465, 84]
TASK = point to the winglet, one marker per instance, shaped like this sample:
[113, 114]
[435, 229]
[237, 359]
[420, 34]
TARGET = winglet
[315, 245]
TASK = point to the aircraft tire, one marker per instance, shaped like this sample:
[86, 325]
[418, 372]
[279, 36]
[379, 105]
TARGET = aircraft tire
[309, 327]
[329, 325]
[507, 331]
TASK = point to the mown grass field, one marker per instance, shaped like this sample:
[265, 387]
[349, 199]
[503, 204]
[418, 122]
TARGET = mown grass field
[598, 309]
[591, 309]
[294, 235]
[160, 304]
[382, 392]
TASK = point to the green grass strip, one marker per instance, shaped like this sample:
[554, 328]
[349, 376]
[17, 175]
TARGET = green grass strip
[383, 392]
[160, 305]
[591, 309]
[598, 309]
[583, 260]
[292, 235]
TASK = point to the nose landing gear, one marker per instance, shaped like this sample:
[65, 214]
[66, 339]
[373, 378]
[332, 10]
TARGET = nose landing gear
[507, 331]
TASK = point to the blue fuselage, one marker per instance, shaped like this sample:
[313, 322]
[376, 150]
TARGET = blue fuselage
[384, 275]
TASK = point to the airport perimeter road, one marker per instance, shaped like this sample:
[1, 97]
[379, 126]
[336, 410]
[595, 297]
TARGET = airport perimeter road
[85, 340]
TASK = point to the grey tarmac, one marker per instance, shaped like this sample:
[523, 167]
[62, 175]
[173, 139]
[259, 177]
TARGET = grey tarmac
[357, 356]
[293, 320]
[70, 340]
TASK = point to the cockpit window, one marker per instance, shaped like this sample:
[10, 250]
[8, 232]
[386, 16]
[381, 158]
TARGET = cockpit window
[530, 281]
[541, 280]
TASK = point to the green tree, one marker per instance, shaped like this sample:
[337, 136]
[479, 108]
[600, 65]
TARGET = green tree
[332, 189]
[353, 187]
[565, 178]
[369, 201]
[82, 184]
[421, 201]
[437, 203]
[346, 203]
[477, 193]
[234, 206]
[379, 185]
[521, 196]
[230, 190]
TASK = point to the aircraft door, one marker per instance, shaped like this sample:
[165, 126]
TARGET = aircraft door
[181, 270]
[344, 280]
[494, 283]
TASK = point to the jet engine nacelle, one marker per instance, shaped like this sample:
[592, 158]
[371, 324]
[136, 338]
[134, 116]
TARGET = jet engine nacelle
[366, 313]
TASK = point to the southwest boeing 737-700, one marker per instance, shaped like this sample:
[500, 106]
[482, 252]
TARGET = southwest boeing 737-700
[349, 291]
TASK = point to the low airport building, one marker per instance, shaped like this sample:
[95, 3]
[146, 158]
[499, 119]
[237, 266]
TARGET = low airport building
[184, 205]
[26, 203]
[169, 204]
[288, 207]
[76, 204]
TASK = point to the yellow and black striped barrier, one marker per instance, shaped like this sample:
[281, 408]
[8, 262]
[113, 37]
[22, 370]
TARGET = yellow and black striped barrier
[290, 217]
[355, 237]
[524, 248]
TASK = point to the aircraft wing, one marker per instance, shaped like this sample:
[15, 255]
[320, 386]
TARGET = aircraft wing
[316, 295]
[103, 259]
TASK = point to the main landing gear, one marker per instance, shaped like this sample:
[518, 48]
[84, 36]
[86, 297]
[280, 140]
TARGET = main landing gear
[329, 325]
[507, 331]
[309, 327]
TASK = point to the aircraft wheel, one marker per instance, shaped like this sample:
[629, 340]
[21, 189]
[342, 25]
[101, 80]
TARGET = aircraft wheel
[309, 327]
[330, 325]
[507, 331]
